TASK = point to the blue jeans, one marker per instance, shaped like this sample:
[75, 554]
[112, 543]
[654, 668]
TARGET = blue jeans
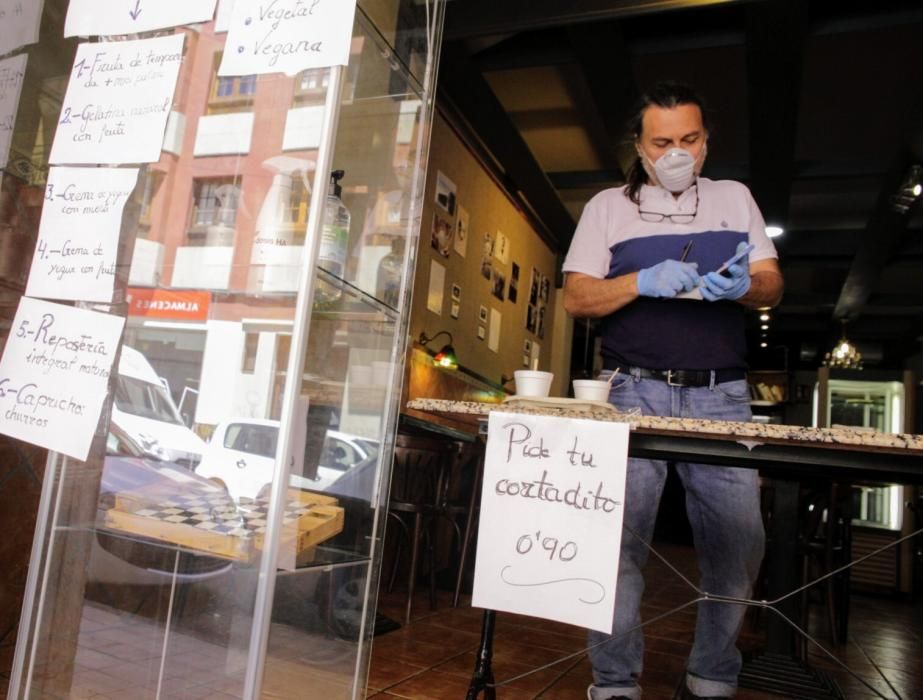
[724, 511]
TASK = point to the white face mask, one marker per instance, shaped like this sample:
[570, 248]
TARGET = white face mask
[676, 170]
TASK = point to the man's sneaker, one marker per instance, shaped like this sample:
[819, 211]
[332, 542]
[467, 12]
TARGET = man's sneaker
[689, 695]
[591, 696]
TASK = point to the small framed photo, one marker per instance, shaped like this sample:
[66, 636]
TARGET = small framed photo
[498, 287]
[527, 346]
[456, 293]
[482, 314]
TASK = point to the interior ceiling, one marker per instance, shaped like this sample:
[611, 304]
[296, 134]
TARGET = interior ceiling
[817, 106]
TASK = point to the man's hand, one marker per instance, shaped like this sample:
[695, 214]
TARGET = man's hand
[731, 287]
[667, 279]
[716, 287]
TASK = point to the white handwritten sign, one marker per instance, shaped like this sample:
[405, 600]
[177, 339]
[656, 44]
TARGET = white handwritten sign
[287, 36]
[551, 518]
[19, 23]
[78, 236]
[54, 375]
[118, 101]
[94, 17]
[12, 71]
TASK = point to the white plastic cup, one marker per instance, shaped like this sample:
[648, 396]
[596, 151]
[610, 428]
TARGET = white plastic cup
[591, 389]
[532, 382]
[360, 375]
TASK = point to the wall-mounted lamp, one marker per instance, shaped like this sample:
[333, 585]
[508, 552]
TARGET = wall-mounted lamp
[446, 357]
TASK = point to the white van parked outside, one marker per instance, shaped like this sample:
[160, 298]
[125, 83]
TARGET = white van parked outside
[144, 410]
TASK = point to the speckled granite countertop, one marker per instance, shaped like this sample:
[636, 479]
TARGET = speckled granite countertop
[746, 433]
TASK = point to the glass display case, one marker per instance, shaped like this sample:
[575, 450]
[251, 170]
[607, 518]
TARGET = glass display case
[223, 537]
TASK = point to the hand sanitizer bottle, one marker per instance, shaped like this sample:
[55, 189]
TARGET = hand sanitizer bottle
[333, 240]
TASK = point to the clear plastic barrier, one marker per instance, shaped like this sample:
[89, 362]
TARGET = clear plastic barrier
[144, 579]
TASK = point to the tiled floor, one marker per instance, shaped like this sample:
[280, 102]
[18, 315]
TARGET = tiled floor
[432, 658]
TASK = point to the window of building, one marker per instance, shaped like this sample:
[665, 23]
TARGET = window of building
[150, 185]
[248, 361]
[230, 93]
[214, 210]
[311, 86]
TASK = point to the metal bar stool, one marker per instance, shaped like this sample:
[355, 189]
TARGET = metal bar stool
[417, 483]
[460, 501]
[825, 546]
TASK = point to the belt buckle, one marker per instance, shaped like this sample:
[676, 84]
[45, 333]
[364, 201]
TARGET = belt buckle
[670, 381]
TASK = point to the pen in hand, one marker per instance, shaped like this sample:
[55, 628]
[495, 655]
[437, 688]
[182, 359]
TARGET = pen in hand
[686, 249]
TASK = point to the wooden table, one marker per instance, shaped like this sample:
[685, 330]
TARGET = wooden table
[787, 453]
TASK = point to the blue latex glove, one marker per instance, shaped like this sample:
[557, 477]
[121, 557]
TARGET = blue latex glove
[667, 279]
[716, 287]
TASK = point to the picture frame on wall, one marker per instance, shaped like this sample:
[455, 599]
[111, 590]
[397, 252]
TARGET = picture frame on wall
[445, 193]
[487, 248]
[461, 231]
[534, 286]
[442, 235]
[513, 290]
[498, 286]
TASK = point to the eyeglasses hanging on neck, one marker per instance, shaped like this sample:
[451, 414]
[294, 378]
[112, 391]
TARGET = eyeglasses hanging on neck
[655, 217]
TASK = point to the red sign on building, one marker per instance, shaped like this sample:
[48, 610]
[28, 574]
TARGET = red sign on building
[175, 305]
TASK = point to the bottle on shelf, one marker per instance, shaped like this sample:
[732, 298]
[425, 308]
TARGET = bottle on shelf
[334, 239]
[388, 279]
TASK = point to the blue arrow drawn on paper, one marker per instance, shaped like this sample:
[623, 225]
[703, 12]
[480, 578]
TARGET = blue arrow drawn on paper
[137, 11]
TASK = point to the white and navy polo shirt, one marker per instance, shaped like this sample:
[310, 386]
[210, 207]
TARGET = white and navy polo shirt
[612, 240]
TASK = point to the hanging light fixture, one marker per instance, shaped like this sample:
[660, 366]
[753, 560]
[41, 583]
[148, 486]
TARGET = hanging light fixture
[844, 354]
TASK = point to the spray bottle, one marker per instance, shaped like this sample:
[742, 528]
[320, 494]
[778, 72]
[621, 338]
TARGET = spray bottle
[334, 239]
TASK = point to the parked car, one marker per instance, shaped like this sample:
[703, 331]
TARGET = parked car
[145, 411]
[241, 456]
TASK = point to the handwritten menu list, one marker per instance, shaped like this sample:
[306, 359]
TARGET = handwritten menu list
[12, 71]
[79, 233]
[54, 374]
[94, 17]
[553, 498]
[19, 23]
[118, 100]
[287, 36]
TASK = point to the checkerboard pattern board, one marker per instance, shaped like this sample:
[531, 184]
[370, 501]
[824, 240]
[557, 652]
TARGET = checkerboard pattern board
[210, 521]
[218, 514]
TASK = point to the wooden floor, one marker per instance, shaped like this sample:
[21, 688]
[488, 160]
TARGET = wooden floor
[433, 656]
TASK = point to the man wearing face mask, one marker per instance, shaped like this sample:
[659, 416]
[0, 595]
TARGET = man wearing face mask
[645, 260]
